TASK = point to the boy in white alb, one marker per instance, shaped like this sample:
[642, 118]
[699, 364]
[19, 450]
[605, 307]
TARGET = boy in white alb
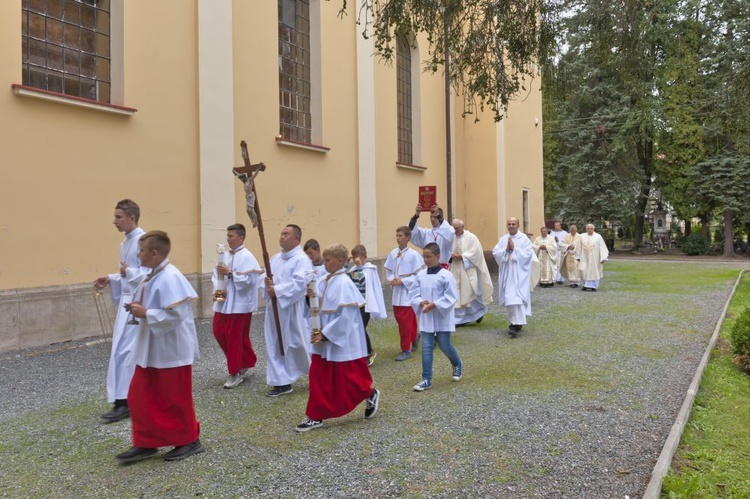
[233, 316]
[433, 295]
[165, 347]
[365, 277]
[121, 285]
[339, 376]
[401, 266]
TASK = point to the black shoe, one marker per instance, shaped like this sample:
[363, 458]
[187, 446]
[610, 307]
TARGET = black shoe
[372, 404]
[135, 454]
[574, 285]
[415, 343]
[308, 424]
[280, 390]
[479, 321]
[119, 413]
[183, 451]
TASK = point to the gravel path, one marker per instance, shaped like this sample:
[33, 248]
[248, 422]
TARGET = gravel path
[578, 406]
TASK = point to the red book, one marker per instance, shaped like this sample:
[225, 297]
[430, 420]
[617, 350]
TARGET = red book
[427, 196]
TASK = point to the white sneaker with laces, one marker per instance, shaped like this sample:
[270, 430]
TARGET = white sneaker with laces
[423, 385]
[233, 380]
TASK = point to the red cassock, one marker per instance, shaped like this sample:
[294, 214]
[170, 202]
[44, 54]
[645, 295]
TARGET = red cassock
[161, 407]
[232, 332]
[336, 388]
[407, 326]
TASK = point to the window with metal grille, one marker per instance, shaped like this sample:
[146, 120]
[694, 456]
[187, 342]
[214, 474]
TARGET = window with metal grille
[403, 97]
[66, 47]
[295, 119]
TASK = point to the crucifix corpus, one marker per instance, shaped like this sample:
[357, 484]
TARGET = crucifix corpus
[246, 174]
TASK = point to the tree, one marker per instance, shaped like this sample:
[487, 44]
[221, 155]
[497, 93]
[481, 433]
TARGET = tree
[494, 46]
[607, 110]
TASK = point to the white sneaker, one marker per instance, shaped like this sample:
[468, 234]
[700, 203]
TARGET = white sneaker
[233, 380]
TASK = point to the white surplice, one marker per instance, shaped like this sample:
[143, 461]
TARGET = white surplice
[442, 236]
[242, 288]
[166, 337]
[403, 264]
[439, 288]
[340, 319]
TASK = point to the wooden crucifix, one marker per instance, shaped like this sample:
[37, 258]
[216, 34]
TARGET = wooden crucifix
[247, 175]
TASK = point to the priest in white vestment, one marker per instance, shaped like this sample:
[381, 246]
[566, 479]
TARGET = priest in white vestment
[290, 270]
[472, 276]
[558, 233]
[441, 233]
[591, 254]
[515, 257]
[545, 248]
[568, 262]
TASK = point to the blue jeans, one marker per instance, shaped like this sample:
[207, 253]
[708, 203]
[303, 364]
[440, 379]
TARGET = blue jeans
[428, 345]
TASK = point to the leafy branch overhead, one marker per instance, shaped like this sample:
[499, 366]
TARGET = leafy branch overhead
[494, 47]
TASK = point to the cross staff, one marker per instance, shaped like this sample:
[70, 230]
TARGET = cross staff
[250, 171]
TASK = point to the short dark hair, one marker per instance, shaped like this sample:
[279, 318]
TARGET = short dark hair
[296, 229]
[158, 240]
[238, 228]
[432, 248]
[312, 244]
[405, 230]
[359, 250]
[130, 208]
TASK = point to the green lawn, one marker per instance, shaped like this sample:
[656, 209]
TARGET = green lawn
[713, 459]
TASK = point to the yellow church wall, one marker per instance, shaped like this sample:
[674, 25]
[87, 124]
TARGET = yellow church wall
[315, 190]
[523, 146]
[64, 167]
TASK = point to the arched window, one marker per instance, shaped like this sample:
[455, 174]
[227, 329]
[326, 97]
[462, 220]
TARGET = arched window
[404, 101]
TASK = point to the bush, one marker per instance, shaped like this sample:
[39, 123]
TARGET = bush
[740, 336]
[695, 244]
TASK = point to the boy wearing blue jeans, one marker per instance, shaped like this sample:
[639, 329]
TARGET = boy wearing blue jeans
[433, 295]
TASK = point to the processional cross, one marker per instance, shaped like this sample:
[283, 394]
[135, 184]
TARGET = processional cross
[246, 174]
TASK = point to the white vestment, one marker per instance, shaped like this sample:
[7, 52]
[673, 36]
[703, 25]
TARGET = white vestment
[591, 253]
[340, 319]
[547, 258]
[515, 280]
[402, 264]
[440, 289]
[560, 235]
[242, 288]
[568, 262]
[374, 301]
[119, 372]
[289, 270]
[442, 236]
[472, 278]
[166, 337]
